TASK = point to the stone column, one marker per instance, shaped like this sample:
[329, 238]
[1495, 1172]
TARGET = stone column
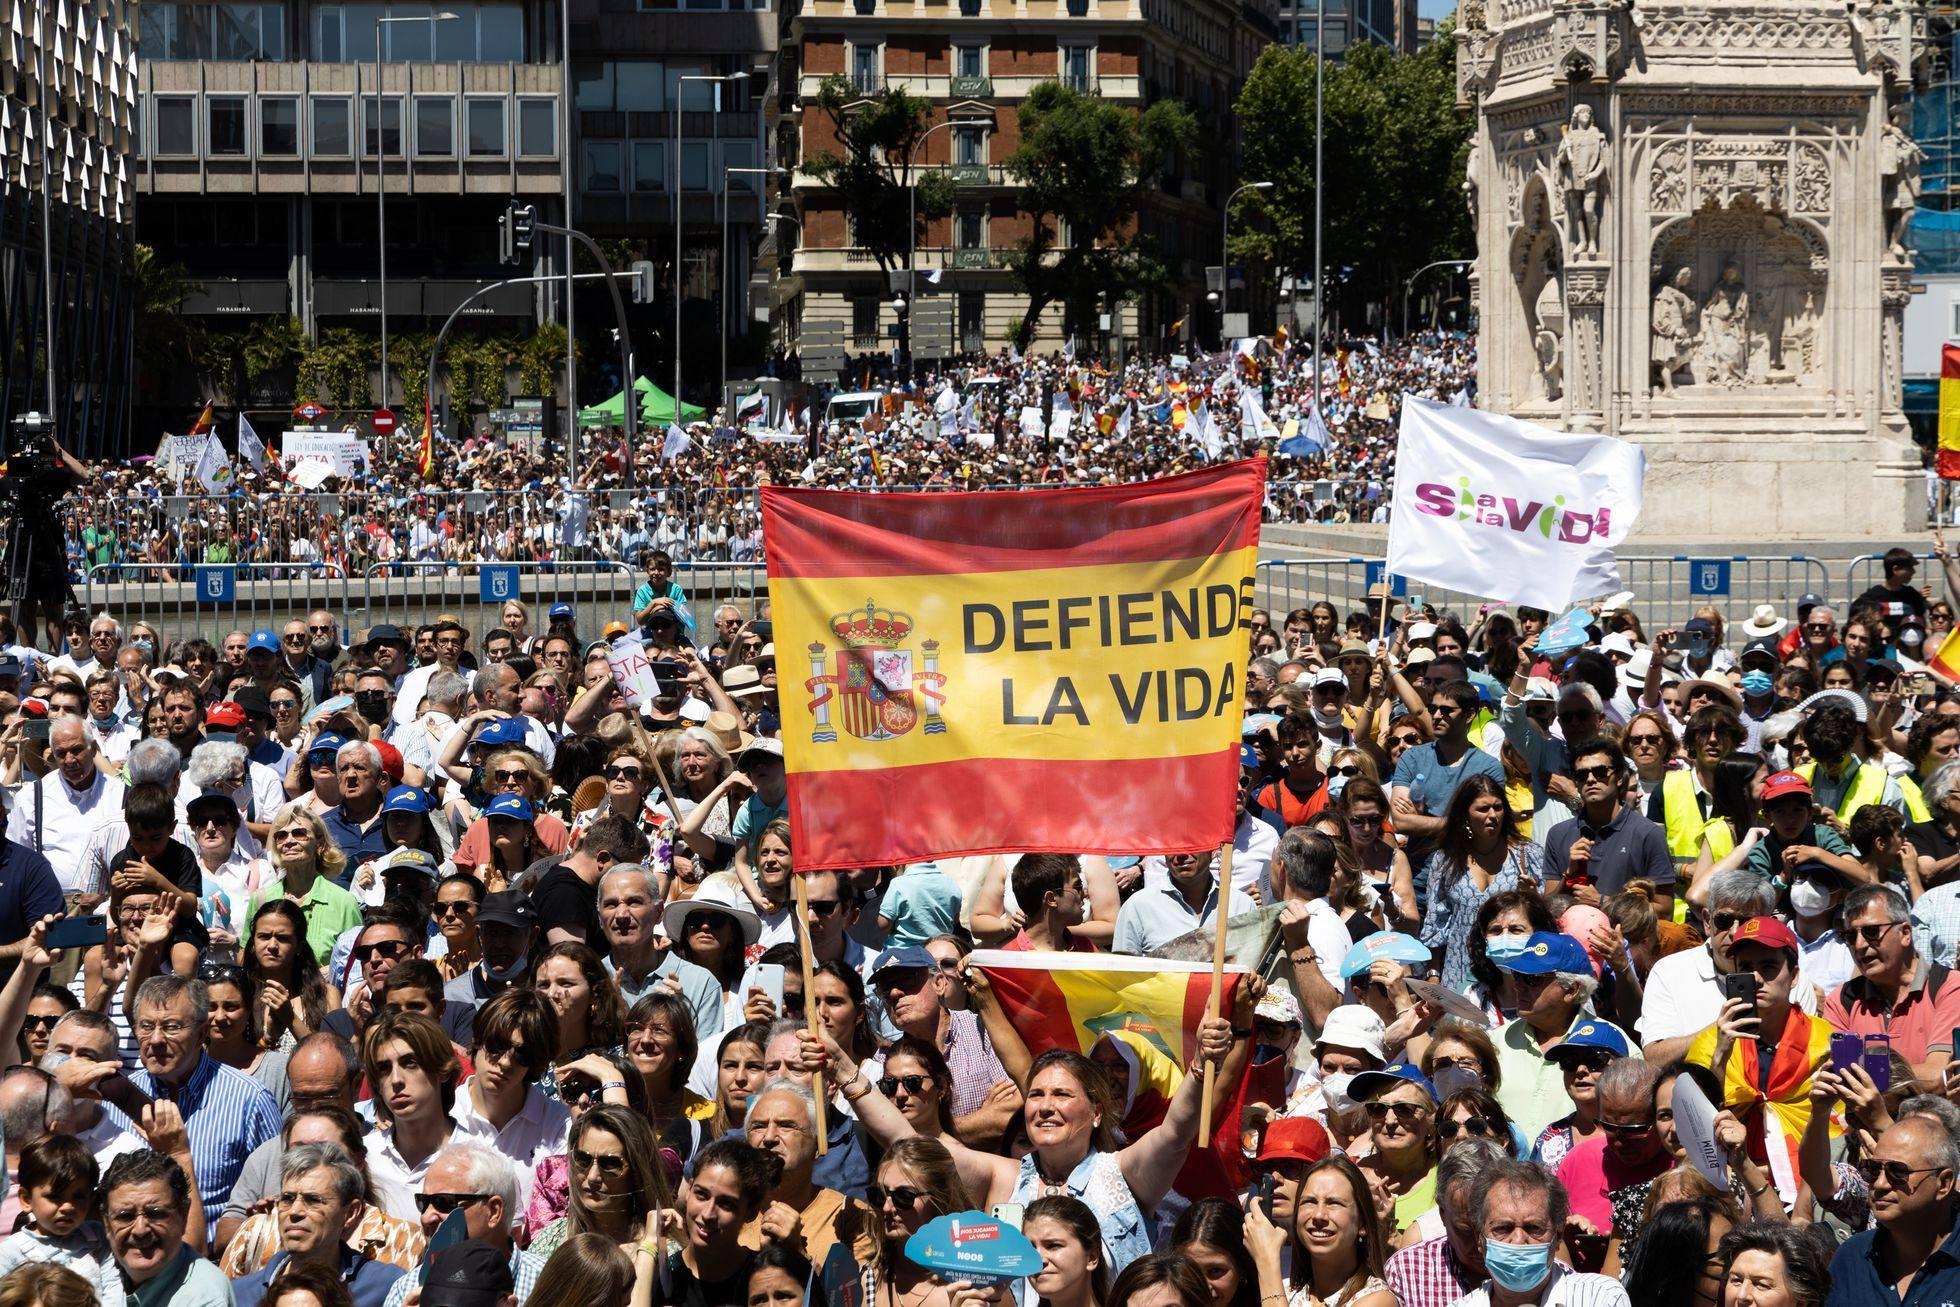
[1585, 314]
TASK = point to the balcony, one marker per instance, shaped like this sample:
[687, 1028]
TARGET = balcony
[972, 88]
[970, 174]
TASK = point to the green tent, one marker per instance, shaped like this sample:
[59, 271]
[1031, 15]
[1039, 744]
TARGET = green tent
[656, 408]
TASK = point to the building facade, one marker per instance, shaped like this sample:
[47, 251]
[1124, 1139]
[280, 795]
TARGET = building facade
[1392, 23]
[67, 73]
[975, 61]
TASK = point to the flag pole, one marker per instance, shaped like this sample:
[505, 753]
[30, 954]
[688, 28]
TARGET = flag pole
[1217, 982]
[810, 1002]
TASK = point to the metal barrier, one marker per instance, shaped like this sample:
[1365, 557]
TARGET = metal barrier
[212, 600]
[1866, 571]
[410, 594]
[1667, 589]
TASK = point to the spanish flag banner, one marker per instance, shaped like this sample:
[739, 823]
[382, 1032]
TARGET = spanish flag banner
[1948, 463]
[205, 422]
[1045, 670]
[1146, 1011]
[425, 458]
[1946, 659]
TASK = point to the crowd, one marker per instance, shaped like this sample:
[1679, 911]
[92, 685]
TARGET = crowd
[962, 428]
[414, 967]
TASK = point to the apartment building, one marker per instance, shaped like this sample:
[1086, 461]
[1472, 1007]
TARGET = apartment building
[1393, 23]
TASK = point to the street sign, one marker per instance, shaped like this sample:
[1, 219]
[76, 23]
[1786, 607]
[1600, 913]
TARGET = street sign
[384, 422]
[496, 583]
[310, 411]
[1398, 586]
[1708, 576]
[217, 585]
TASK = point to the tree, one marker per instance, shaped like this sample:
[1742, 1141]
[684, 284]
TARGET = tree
[164, 348]
[880, 136]
[1394, 153]
[1083, 164]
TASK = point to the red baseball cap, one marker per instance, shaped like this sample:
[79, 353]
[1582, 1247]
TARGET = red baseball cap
[1298, 1138]
[225, 716]
[1784, 784]
[391, 760]
[1767, 931]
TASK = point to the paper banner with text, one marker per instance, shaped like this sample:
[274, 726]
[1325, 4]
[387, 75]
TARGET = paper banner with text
[1492, 506]
[1052, 670]
[632, 670]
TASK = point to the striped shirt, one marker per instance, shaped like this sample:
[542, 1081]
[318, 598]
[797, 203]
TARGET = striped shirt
[1427, 1274]
[226, 1115]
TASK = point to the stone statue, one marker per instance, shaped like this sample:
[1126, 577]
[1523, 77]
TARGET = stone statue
[1725, 327]
[1471, 163]
[1581, 170]
[1551, 364]
[1898, 166]
[1673, 326]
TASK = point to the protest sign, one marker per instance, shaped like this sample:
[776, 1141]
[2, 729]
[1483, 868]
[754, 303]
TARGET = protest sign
[974, 1247]
[1492, 506]
[997, 665]
[632, 670]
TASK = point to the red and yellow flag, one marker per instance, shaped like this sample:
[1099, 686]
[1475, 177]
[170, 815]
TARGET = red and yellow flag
[1946, 659]
[1948, 463]
[1045, 670]
[204, 423]
[1149, 1008]
[425, 459]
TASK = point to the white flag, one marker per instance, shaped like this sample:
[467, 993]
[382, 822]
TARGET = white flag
[1204, 431]
[213, 469]
[677, 442]
[1123, 422]
[1253, 422]
[250, 447]
[1461, 399]
[946, 401]
[1492, 506]
[970, 415]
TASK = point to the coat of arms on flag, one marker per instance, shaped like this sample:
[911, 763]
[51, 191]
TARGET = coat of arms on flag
[878, 686]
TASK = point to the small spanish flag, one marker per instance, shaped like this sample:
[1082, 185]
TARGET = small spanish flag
[1946, 659]
[425, 459]
[204, 423]
[1279, 339]
[1949, 457]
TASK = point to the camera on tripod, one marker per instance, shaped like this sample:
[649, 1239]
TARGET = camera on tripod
[31, 441]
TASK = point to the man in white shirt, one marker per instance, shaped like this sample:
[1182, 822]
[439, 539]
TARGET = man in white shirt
[450, 639]
[105, 637]
[56, 814]
[1684, 995]
[1157, 914]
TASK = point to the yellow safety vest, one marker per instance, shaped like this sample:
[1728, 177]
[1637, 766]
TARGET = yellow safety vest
[1685, 825]
[1868, 787]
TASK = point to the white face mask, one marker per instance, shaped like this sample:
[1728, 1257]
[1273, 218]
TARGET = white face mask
[1335, 1089]
[1328, 719]
[1809, 899]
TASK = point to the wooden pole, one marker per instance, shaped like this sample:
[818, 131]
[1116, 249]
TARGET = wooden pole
[1217, 982]
[666, 790]
[810, 1003]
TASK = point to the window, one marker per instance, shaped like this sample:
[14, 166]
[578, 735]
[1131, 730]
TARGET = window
[390, 127]
[694, 165]
[649, 166]
[969, 61]
[225, 123]
[435, 125]
[333, 135]
[970, 229]
[537, 126]
[1077, 61]
[329, 34]
[864, 320]
[1078, 8]
[970, 8]
[973, 322]
[969, 145]
[176, 125]
[483, 120]
[230, 33]
[599, 166]
[864, 69]
[489, 32]
[279, 127]
[741, 154]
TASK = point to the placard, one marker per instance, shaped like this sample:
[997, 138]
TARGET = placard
[632, 670]
[974, 1247]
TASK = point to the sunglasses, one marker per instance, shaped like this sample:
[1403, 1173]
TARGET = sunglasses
[446, 1203]
[608, 1163]
[824, 907]
[220, 822]
[1873, 934]
[515, 774]
[902, 1196]
[611, 774]
[913, 1084]
[1592, 1061]
[387, 949]
[1897, 1174]
[1726, 921]
[458, 907]
[710, 921]
[1404, 741]
[47, 1021]
[1818, 629]
[285, 705]
[1349, 770]
[1404, 1112]
[1583, 774]
[1626, 1128]
[1643, 741]
[1469, 1125]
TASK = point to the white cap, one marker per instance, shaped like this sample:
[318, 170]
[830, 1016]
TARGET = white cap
[1329, 676]
[1422, 630]
[1278, 1005]
[693, 710]
[1633, 672]
[1356, 1027]
[1618, 643]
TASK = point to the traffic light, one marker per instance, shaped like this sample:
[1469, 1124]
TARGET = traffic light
[641, 272]
[524, 225]
[506, 242]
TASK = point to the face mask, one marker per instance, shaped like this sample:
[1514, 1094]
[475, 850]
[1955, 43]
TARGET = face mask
[1499, 948]
[374, 707]
[1335, 1088]
[1335, 784]
[147, 646]
[1757, 684]
[1809, 899]
[1518, 1267]
[1266, 1052]
[1328, 719]
[516, 969]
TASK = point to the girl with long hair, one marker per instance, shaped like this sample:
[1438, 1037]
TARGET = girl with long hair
[231, 1031]
[1482, 852]
[1364, 810]
[585, 1004]
[290, 994]
[729, 1184]
[1336, 1240]
[916, 1182]
[1063, 1230]
[1735, 793]
[738, 1073]
[1212, 1233]
[617, 1181]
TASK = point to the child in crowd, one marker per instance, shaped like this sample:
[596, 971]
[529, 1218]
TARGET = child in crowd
[57, 1178]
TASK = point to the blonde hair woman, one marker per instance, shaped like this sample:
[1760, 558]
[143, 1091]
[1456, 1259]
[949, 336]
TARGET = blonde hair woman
[307, 861]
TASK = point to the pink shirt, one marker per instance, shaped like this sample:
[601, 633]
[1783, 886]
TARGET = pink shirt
[1590, 1173]
[1920, 1025]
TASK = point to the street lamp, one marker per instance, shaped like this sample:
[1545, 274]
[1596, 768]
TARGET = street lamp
[722, 299]
[1224, 254]
[1319, 173]
[381, 166]
[680, 93]
[1440, 263]
[912, 231]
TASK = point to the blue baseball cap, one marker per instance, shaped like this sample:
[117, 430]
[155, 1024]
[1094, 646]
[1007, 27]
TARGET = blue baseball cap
[504, 730]
[1369, 1083]
[1249, 758]
[1545, 953]
[263, 641]
[1591, 1034]
[1383, 946]
[9, 665]
[561, 610]
[407, 798]
[905, 958]
[514, 806]
[327, 743]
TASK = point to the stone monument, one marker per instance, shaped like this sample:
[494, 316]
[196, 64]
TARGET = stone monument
[1692, 232]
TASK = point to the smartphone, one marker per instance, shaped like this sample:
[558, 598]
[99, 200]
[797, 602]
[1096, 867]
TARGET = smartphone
[768, 977]
[1847, 1051]
[765, 629]
[78, 932]
[121, 1091]
[1742, 985]
[1262, 1192]
[37, 729]
[667, 675]
[1007, 1213]
[1878, 1061]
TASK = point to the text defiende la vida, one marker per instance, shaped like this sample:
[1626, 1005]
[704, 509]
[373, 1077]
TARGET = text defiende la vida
[1130, 619]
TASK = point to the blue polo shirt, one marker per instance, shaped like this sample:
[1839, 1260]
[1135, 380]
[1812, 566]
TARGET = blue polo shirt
[29, 890]
[1857, 1280]
[367, 1280]
[1431, 784]
[359, 845]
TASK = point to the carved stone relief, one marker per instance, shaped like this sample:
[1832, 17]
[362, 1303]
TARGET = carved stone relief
[1757, 282]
